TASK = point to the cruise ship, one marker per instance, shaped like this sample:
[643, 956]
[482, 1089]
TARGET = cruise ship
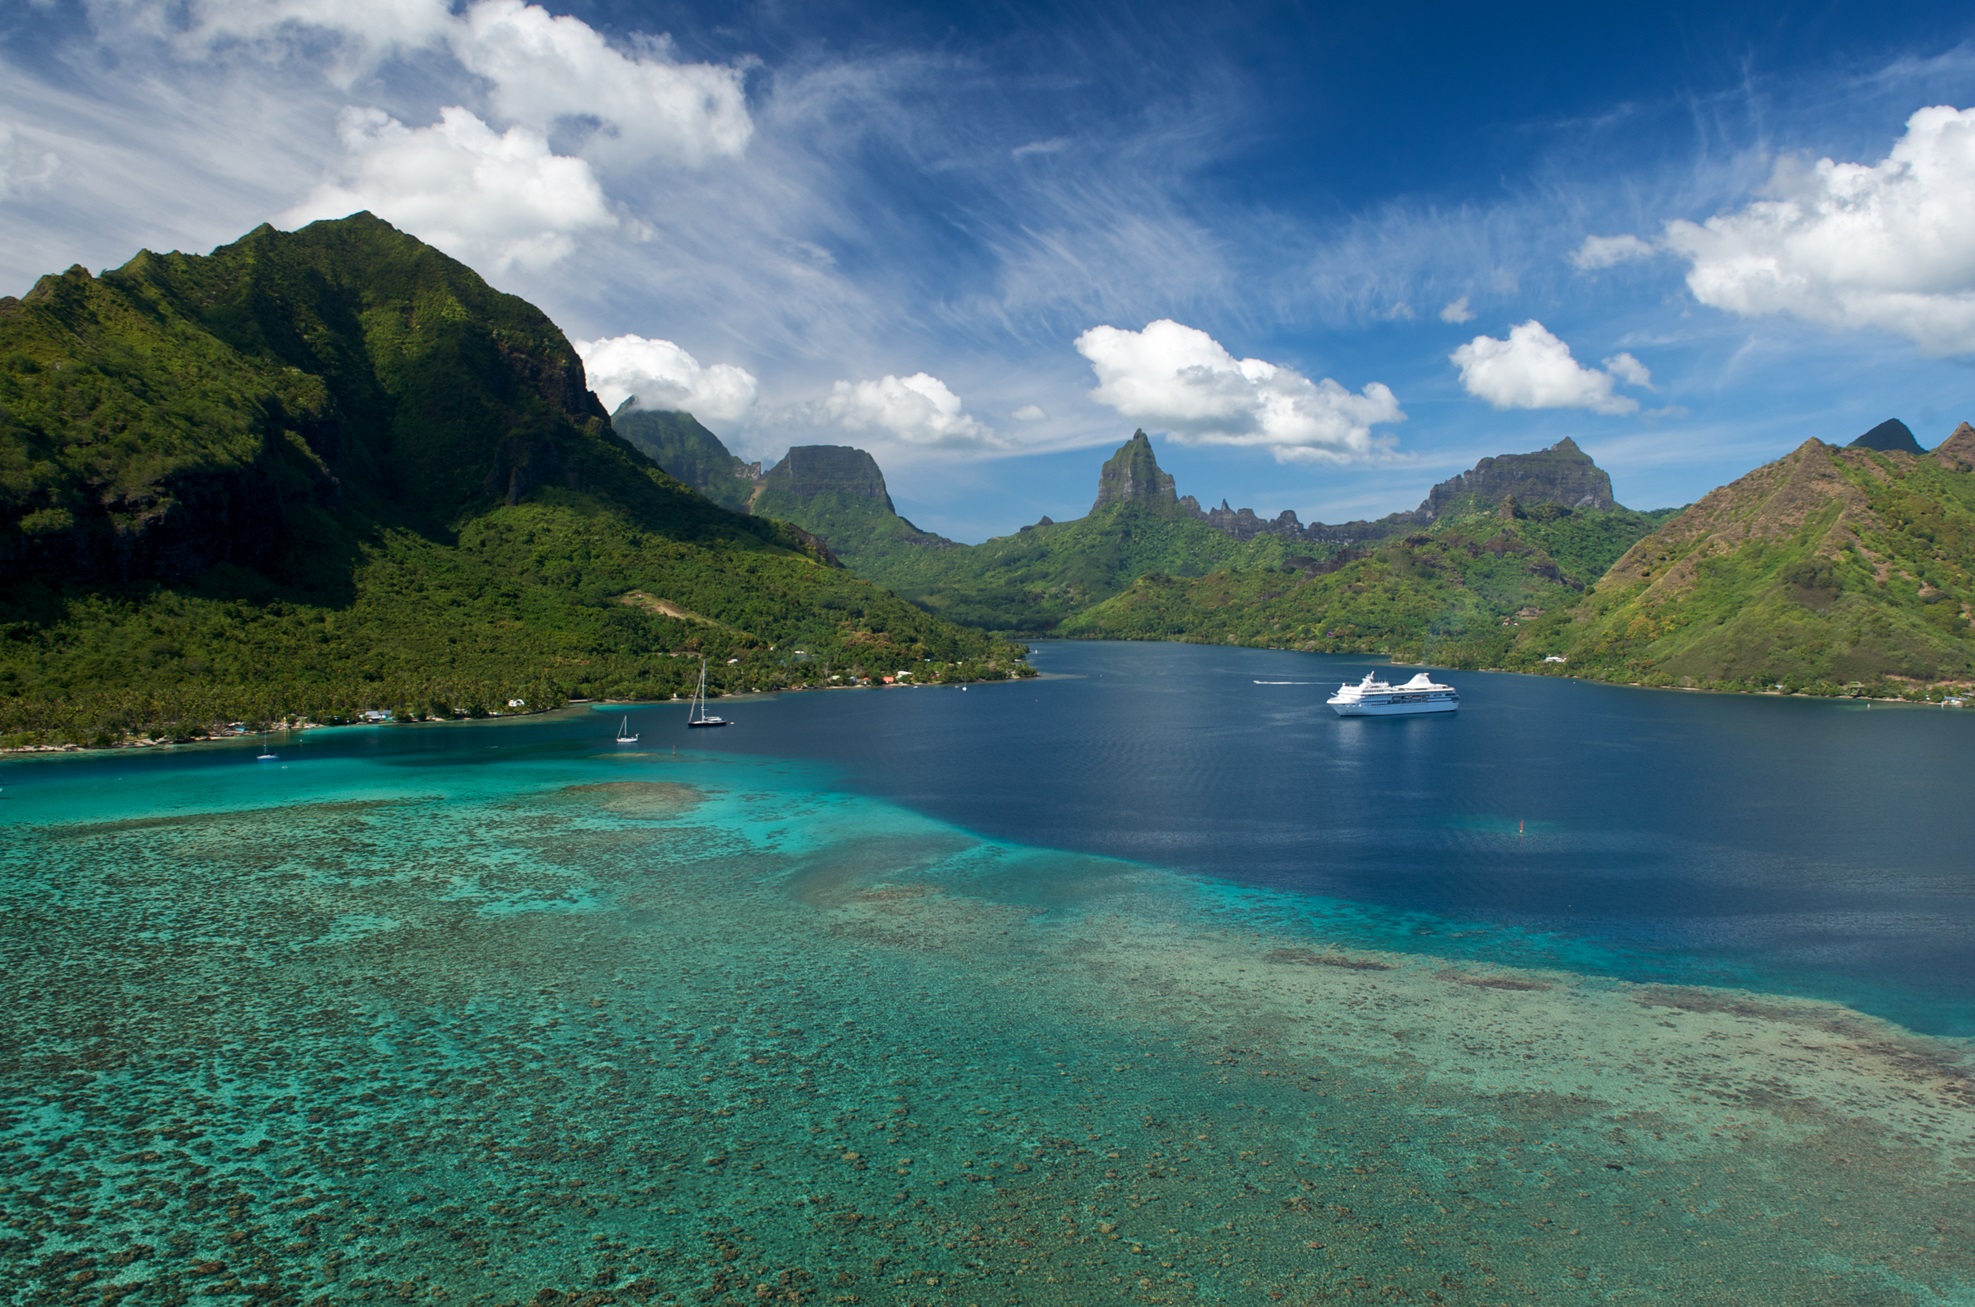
[1372, 697]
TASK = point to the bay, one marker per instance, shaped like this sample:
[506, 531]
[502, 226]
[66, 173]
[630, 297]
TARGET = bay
[1147, 981]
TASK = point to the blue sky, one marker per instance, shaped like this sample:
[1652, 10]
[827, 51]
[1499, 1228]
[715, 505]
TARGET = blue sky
[1327, 256]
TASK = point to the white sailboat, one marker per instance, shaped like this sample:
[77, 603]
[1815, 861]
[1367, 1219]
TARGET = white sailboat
[699, 716]
[267, 754]
[624, 735]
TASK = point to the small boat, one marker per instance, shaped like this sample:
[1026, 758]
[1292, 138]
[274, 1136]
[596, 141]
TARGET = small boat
[699, 716]
[267, 754]
[624, 735]
[1372, 697]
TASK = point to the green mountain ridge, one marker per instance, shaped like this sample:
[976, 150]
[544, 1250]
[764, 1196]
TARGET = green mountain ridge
[1142, 539]
[1827, 570]
[318, 472]
[688, 451]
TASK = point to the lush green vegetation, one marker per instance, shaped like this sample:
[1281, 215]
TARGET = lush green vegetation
[1829, 571]
[1034, 581]
[328, 471]
[1453, 593]
[685, 449]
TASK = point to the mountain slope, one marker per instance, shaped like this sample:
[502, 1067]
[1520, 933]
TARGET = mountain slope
[1029, 582]
[839, 494]
[1453, 592]
[1827, 568]
[685, 449]
[329, 470]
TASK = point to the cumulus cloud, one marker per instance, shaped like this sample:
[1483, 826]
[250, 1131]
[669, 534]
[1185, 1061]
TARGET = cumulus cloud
[23, 167]
[1534, 369]
[1629, 370]
[545, 69]
[917, 410]
[664, 376]
[485, 198]
[1030, 413]
[1457, 312]
[1887, 245]
[542, 70]
[1609, 251]
[1180, 380]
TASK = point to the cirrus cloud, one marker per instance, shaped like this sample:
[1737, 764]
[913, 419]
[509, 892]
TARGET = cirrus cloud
[1181, 380]
[1609, 251]
[1887, 245]
[1534, 369]
[661, 375]
[486, 198]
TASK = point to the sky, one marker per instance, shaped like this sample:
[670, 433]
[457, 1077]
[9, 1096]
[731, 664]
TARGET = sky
[1326, 255]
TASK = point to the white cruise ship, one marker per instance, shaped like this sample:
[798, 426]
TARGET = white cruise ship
[1372, 697]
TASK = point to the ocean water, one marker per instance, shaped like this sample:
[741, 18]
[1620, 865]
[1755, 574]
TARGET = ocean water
[1141, 983]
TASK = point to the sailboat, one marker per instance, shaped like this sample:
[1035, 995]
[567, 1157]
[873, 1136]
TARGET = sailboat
[267, 754]
[624, 735]
[699, 715]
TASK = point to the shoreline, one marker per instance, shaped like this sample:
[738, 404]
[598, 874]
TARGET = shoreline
[492, 718]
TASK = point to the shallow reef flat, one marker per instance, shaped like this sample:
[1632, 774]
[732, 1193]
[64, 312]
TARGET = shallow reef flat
[634, 1029]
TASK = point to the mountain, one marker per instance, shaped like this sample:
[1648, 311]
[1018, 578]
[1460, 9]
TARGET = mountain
[839, 494]
[678, 443]
[1562, 474]
[1454, 591]
[1891, 436]
[332, 470]
[1025, 583]
[1132, 475]
[1826, 569]
[1149, 563]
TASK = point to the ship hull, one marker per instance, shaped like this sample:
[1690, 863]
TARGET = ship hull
[1398, 706]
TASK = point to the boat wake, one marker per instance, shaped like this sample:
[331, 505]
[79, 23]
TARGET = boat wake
[1292, 682]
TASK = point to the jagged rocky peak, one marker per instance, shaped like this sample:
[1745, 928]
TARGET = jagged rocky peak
[1891, 436]
[1562, 474]
[1958, 450]
[811, 470]
[1132, 476]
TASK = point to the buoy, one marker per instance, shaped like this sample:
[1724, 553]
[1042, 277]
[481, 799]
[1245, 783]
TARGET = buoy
[1518, 828]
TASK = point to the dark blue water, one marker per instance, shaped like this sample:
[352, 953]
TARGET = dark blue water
[1812, 846]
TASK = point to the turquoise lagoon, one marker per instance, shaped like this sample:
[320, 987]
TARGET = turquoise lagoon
[502, 1013]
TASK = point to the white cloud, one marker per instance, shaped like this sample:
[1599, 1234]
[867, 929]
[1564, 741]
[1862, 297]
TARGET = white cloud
[1629, 370]
[1180, 380]
[918, 410]
[664, 376]
[368, 29]
[1457, 312]
[1887, 245]
[486, 199]
[1534, 369]
[1029, 413]
[542, 70]
[23, 167]
[545, 69]
[1609, 251]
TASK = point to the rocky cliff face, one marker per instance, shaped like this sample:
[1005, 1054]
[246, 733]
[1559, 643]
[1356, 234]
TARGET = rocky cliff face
[1562, 474]
[1891, 436]
[811, 471]
[1133, 476]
